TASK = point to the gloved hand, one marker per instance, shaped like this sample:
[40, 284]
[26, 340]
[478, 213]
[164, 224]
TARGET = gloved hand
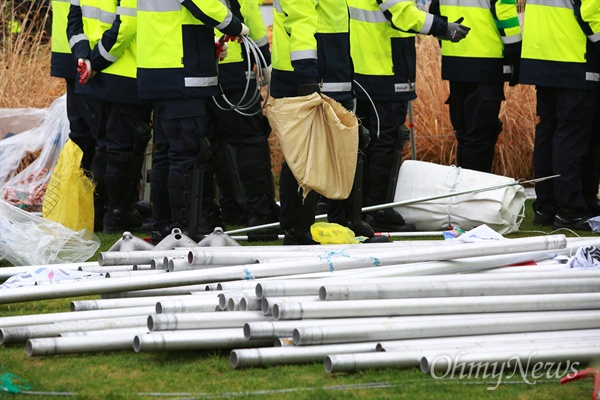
[514, 76]
[266, 76]
[221, 48]
[244, 32]
[456, 31]
[308, 88]
[512, 56]
[85, 71]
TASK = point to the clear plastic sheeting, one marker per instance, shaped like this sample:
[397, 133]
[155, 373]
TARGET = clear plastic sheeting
[27, 159]
[14, 121]
[27, 239]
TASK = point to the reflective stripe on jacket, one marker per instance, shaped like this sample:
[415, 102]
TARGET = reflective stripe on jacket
[384, 57]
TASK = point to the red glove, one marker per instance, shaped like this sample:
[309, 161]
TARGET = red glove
[221, 48]
[85, 71]
[244, 32]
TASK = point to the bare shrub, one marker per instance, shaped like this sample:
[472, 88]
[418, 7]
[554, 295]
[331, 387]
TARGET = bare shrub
[25, 56]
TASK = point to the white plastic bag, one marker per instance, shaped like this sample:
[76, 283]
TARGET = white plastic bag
[26, 239]
[500, 209]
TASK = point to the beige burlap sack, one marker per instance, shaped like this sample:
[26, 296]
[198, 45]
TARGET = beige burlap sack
[319, 140]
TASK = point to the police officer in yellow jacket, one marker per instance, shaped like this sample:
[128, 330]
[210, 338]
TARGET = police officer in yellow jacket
[588, 14]
[240, 159]
[477, 68]
[177, 72]
[102, 35]
[311, 53]
[63, 65]
[384, 57]
[558, 57]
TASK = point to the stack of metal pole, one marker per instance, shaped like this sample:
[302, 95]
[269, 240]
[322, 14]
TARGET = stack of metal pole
[333, 304]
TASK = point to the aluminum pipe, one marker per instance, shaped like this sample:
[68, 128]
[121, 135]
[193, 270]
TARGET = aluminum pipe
[245, 358]
[175, 264]
[203, 320]
[495, 323]
[204, 257]
[39, 319]
[99, 269]
[138, 257]
[120, 274]
[302, 287]
[234, 296]
[273, 329]
[455, 266]
[436, 305]
[237, 285]
[267, 303]
[104, 332]
[483, 340]
[250, 303]
[105, 304]
[389, 290]
[159, 263]
[201, 304]
[463, 265]
[412, 358]
[166, 291]
[226, 338]
[441, 366]
[84, 344]
[20, 334]
[256, 271]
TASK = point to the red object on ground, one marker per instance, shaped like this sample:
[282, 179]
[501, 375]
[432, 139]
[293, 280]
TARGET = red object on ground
[586, 373]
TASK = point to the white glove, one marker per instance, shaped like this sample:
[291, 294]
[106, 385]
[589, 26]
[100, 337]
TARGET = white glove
[266, 76]
[245, 30]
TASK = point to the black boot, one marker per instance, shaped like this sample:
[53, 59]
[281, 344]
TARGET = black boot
[180, 198]
[121, 214]
[388, 220]
[304, 218]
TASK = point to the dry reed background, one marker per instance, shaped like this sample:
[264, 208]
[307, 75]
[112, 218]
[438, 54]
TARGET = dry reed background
[25, 82]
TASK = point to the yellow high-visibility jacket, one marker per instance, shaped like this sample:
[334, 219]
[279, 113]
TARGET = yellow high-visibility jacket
[62, 63]
[311, 45]
[556, 50]
[104, 31]
[495, 32]
[176, 47]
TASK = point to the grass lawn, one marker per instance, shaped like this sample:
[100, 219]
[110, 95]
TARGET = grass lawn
[208, 374]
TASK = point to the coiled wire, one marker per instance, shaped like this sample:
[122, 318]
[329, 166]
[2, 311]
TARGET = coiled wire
[243, 105]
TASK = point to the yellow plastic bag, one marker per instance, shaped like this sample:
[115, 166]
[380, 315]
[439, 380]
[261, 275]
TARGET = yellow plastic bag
[319, 140]
[332, 233]
[69, 198]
